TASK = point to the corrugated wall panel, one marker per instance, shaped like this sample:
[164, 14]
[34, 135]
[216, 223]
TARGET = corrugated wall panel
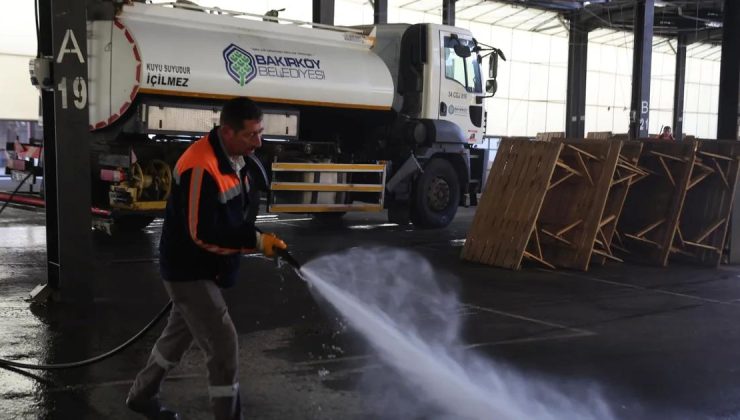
[20, 100]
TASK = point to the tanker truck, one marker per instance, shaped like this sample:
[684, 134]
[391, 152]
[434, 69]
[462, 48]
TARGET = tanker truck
[356, 118]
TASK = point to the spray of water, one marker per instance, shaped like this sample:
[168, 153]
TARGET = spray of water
[410, 314]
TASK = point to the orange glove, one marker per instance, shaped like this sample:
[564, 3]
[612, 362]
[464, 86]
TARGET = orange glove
[267, 243]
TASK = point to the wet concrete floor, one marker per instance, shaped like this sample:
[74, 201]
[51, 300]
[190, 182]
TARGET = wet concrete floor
[657, 343]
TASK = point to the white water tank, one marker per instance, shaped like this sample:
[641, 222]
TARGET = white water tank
[150, 49]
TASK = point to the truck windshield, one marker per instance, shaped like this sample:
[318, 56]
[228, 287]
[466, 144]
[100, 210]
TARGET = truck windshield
[465, 71]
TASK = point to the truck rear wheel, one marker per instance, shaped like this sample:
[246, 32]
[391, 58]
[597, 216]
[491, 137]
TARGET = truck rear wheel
[436, 195]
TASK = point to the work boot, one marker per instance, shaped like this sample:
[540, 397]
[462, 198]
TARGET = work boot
[151, 409]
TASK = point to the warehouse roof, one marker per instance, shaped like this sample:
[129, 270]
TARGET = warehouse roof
[610, 21]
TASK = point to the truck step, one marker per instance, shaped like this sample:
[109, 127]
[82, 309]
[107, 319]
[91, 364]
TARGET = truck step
[327, 187]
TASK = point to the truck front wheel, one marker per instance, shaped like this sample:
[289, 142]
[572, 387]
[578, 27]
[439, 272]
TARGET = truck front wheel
[436, 195]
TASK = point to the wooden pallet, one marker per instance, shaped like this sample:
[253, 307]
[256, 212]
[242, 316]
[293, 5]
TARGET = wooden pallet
[704, 220]
[544, 202]
[653, 205]
[599, 135]
[550, 136]
[508, 209]
[626, 173]
[572, 214]
[620, 136]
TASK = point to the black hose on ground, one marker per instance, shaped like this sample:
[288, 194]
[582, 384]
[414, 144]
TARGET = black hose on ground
[15, 192]
[284, 254]
[9, 363]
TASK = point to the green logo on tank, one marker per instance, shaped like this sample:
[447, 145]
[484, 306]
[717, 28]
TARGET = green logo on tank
[239, 64]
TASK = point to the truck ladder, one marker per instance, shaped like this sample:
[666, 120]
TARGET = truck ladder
[323, 187]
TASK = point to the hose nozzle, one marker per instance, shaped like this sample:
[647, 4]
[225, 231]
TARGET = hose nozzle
[285, 255]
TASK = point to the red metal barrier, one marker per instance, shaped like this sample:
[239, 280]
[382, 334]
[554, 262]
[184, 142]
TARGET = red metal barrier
[40, 202]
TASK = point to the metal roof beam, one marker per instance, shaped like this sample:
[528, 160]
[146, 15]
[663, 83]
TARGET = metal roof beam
[471, 6]
[532, 18]
[607, 17]
[703, 35]
[539, 25]
[509, 16]
[489, 12]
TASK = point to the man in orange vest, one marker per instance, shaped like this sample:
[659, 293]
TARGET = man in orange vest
[209, 223]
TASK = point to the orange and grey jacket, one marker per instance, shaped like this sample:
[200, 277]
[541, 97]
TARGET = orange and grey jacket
[210, 214]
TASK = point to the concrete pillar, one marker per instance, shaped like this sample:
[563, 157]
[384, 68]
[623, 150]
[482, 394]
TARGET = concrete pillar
[729, 74]
[380, 11]
[641, 65]
[575, 103]
[679, 87]
[67, 150]
[448, 12]
[323, 12]
[727, 118]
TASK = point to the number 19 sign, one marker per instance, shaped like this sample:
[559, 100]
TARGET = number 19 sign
[77, 86]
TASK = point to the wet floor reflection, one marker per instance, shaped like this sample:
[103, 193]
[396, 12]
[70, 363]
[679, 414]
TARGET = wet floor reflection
[24, 337]
[22, 236]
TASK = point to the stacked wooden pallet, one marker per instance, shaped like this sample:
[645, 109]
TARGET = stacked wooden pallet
[599, 135]
[572, 203]
[626, 173]
[653, 205]
[550, 135]
[702, 227]
[545, 201]
[571, 216]
[511, 202]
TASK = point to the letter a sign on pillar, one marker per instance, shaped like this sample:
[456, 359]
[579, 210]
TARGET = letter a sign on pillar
[67, 149]
[69, 38]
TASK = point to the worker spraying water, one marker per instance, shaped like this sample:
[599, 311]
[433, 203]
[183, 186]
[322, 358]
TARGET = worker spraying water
[395, 300]
[209, 223]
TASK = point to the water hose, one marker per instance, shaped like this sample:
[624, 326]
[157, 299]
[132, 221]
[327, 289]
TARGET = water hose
[4, 363]
[90, 361]
[283, 254]
[10, 198]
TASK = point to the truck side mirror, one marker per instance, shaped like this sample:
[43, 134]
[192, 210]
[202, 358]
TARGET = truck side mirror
[491, 86]
[462, 50]
[493, 65]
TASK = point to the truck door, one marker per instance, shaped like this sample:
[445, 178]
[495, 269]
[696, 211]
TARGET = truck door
[460, 84]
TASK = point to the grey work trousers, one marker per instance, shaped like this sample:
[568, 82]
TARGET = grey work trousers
[199, 313]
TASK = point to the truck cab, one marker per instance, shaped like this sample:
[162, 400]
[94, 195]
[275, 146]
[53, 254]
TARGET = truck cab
[439, 92]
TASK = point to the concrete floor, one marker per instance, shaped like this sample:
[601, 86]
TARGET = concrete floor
[656, 343]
